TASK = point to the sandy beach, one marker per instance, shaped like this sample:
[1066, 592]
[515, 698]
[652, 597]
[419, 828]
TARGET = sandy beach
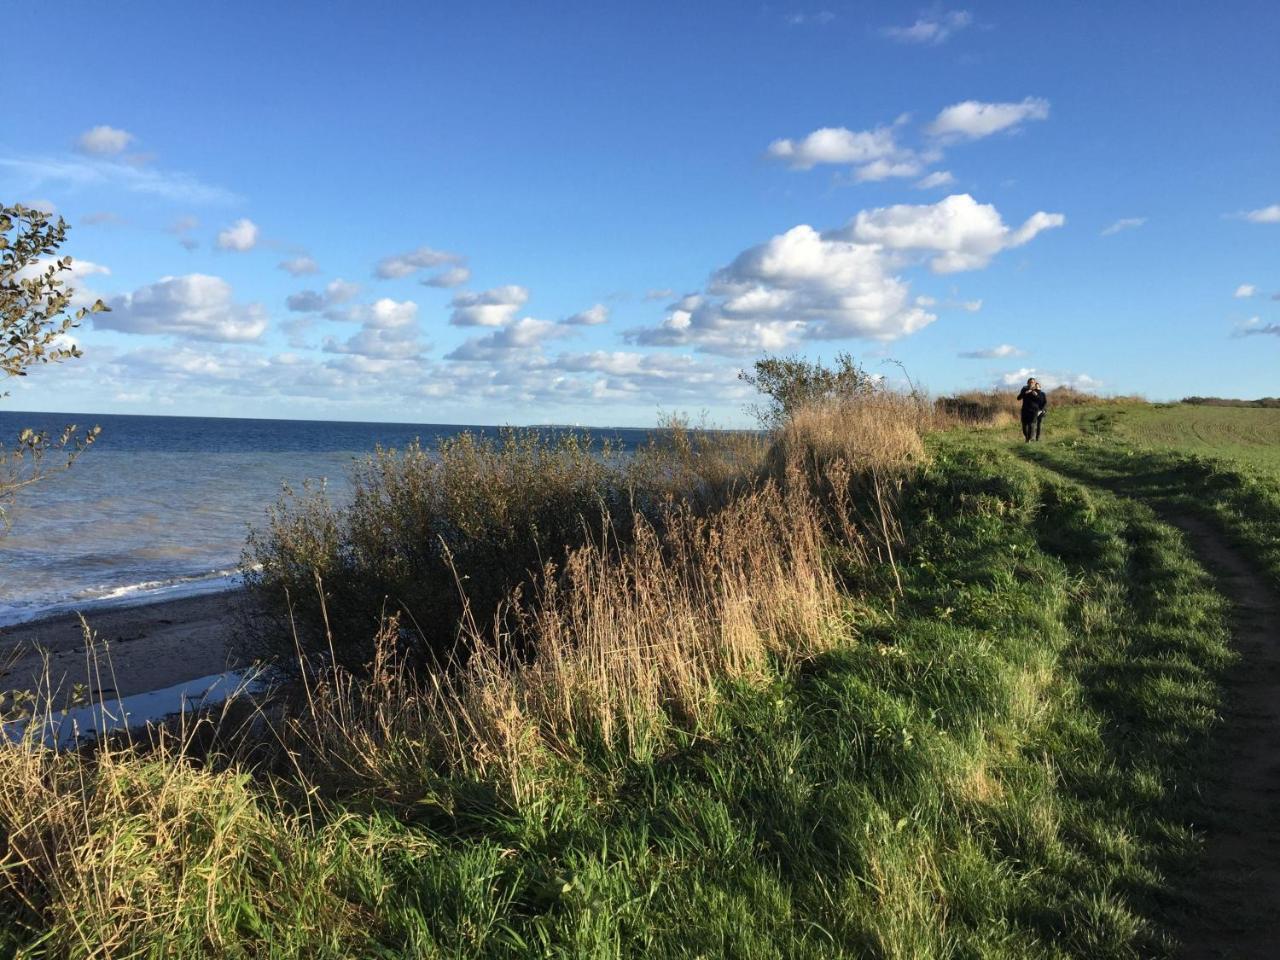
[149, 646]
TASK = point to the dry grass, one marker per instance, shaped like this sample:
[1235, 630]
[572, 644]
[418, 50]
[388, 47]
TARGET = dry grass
[999, 408]
[619, 646]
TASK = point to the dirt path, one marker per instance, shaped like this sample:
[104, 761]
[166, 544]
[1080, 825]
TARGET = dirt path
[1236, 895]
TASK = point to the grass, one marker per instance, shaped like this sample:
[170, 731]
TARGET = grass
[880, 701]
[1218, 463]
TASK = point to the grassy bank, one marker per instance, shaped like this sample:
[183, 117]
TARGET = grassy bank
[856, 704]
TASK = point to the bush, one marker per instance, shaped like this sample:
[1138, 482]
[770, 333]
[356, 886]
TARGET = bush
[432, 534]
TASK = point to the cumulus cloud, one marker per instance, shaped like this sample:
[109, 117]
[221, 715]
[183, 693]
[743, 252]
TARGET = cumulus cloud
[839, 284]
[972, 119]
[104, 141]
[992, 353]
[299, 266]
[453, 277]
[1050, 381]
[931, 28]
[591, 317]
[836, 145]
[963, 233]
[1269, 214]
[388, 330]
[73, 277]
[310, 301]
[1124, 223]
[404, 264]
[939, 178]
[491, 308]
[1245, 290]
[240, 236]
[518, 338]
[197, 306]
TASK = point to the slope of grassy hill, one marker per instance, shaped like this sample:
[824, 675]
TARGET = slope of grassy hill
[956, 706]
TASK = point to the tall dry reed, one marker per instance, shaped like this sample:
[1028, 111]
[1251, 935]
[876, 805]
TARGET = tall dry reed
[621, 645]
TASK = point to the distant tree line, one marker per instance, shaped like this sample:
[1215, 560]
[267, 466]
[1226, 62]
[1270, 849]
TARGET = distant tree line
[1272, 402]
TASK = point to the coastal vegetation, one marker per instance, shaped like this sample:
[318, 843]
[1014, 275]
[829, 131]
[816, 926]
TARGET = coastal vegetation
[873, 682]
[36, 318]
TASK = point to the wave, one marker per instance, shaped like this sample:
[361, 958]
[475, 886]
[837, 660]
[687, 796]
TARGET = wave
[124, 595]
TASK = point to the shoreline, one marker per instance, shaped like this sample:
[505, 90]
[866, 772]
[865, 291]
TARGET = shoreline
[149, 646]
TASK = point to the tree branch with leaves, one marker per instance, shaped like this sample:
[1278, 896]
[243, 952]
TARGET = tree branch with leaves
[35, 320]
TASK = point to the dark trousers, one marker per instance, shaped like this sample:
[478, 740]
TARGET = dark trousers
[1031, 428]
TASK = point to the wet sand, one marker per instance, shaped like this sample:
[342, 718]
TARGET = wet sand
[148, 646]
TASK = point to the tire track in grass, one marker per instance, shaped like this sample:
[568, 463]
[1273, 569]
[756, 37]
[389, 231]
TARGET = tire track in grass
[1236, 895]
[1233, 898]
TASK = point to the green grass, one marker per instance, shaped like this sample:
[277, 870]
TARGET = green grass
[1248, 435]
[1219, 463]
[996, 763]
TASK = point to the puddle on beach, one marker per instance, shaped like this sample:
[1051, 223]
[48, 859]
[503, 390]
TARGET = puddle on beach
[64, 729]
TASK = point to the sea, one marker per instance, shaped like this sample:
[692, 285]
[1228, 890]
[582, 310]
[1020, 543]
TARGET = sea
[159, 507]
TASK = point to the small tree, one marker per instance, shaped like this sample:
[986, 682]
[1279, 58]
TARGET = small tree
[34, 319]
[789, 383]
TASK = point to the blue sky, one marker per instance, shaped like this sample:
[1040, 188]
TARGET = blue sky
[595, 212]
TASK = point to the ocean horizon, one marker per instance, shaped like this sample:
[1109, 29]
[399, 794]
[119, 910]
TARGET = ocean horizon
[160, 506]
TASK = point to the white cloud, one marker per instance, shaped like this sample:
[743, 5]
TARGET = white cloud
[939, 178]
[591, 317]
[1245, 290]
[492, 308]
[992, 353]
[335, 292]
[1269, 214]
[453, 277]
[973, 120]
[931, 28]
[404, 264]
[73, 277]
[240, 236]
[1124, 223]
[659, 293]
[836, 145]
[878, 170]
[197, 306]
[104, 141]
[964, 233]
[1050, 381]
[839, 284]
[388, 330]
[299, 266]
[516, 339]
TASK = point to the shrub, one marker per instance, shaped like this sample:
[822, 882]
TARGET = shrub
[431, 534]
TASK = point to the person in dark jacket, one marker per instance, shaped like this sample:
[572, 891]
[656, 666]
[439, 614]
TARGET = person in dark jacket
[1033, 403]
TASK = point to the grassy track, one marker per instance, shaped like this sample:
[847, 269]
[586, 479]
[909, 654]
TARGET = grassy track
[1219, 463]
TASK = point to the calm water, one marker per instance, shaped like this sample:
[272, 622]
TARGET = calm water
[160, 506]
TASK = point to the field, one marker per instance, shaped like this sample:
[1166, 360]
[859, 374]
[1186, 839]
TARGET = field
[1249, 436]
[911, 693]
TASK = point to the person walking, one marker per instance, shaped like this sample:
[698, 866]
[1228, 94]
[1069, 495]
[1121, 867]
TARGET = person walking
[1033, 403]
